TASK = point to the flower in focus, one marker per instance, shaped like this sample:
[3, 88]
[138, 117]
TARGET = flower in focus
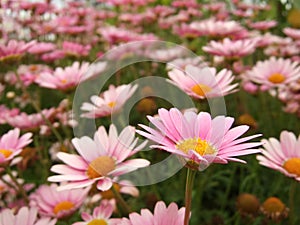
[231, 49]
[63, 79]
[25, 216]
[274, 72]
[197, 138]
[162, 215]
[11, 144]
[110, 101]
[203, 82]
[100, 159]
[101, 215]
[58, 204]
[274, 209]
[283, 155]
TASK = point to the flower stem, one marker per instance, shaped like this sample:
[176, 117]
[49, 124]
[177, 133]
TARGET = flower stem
[292, 201]
[190, 177]
[125, 209]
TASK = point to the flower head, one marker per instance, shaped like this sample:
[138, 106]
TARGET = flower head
[197, 138]
[59, 204]
[110, 101]
[100, 160]
[274, 209]
[283, 155]
[203, 82]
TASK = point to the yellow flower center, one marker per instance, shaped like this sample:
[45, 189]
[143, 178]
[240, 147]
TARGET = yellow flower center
[5, 152]
[292, 166]
[63, 206]
[97, 222]
[276, 78]
[273, 205]
[201, 89]
[111, 104]
[109, 193]
[33, 68]
[100, 166]
[197, 144]
[64, 81]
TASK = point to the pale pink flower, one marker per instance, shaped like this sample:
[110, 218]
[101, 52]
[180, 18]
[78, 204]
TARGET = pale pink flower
[231, 49]
[263, 25]
[58, 204]
[182, 63]
[75, 49]
[198, 139]
[26, 121]
[109, 102]
[274, 72]
[203, 82]
[25, 216]
[283, 155]
[6, 112]
[291, 32]
[12, 144]
[162, 215]
[29, 73]
[14, 49]
[101, 215]
[64, 78]
[42, 47]
[99, 160]
[52, 56]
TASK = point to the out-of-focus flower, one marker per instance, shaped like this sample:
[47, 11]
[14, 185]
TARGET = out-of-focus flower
[291, 32]
[263, 25]
[14, 50]
[101, 215]
[231, 49]
[274, 72]
[170, 215]
[197, 138]
[11, 144]
[274, 209]
[41, 47]
[109, 102]
[75, 49]
[25, 216]
[64, 79]
[247, 119]
[247, 204]
[283, 155]
[100, 160]
[29, 73]
[181, 63]
[6, 112]
[26, 121]
[123, 187]
[203, 82]
[58, 204]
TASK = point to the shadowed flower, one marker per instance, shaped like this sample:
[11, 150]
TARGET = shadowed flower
[203, 82]
[25, 216]
[110, 101]
[274, 209]
[247, 204]
[11, 144]
[283, 155]
[59, 204]
[100, 159]
[199, 139]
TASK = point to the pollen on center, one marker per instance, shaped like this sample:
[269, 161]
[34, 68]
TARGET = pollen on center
[276, 78]
[97, 222]
[201, 89]
[202, 147]
[63, 206]
[100, 166]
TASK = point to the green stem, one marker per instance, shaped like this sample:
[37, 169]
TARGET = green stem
[123, 205]
[190, 177]
[20, 187]
[292, 202]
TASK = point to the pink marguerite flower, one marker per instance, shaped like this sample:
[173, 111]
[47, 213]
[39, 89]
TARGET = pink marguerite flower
[197, 138]
[291, 32]
[58, 204]
[99, 160]
[25, 216]
[75, 49]
[109, 102]
[263, 25]
[12, 144]
[282, 155]
[14, 49]
[203, 82]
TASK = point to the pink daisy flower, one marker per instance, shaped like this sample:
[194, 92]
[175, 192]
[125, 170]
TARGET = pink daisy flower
[109, 102]
[14, 49]
[101, 215]
[58, 204]
[64, 79]
[231, 49]
[162, 215]
[12, 144]
[291, 32]
[75, 49]
[282, 155]
[6, 113]
[100, 159]
[274, 72]
[197, 138]
[25, 216]
[42, 47]
[203, 82]
[263, 25]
